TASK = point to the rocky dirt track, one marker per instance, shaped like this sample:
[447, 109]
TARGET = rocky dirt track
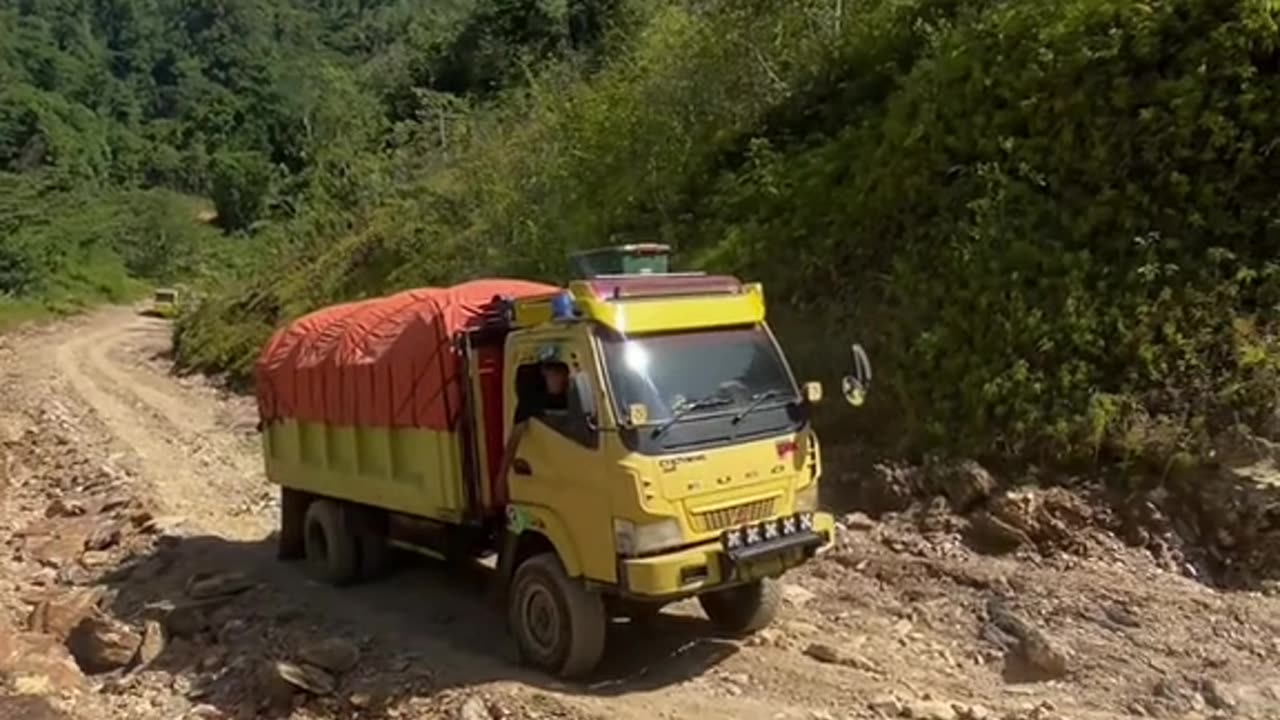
[138, 580]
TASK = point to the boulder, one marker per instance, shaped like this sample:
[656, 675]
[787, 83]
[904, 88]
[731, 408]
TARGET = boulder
[306, 677]
[1033, 654]
[930, 710]
[965, 484]
[102, 644]
[857, 522]
[59, 615]
[886, 706]
[887, 489]
[335, 655]
[37, 664]
[989, 534]
[60, 508]
[204, 586]
[28, 707]
[153, 643]
[473, 709]
[103, 536]
[797, 595]
[92, 559]
[833, 655]
[183, 619]
[60, 550]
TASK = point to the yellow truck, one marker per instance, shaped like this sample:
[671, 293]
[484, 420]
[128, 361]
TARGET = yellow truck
[164, 303]
[630, 440]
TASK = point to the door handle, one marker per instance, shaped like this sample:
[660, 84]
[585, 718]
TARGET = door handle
[521, 467]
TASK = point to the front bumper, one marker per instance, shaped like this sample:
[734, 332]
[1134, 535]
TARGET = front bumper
[708, 566]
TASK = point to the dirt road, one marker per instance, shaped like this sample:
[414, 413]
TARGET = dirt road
[142, 491]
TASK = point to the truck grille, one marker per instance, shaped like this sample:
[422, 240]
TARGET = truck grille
[716, 520]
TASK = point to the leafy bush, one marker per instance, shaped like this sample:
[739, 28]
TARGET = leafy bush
[241, 182]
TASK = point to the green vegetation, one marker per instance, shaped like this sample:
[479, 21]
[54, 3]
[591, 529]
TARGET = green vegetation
[118, 117]
[1052, 223]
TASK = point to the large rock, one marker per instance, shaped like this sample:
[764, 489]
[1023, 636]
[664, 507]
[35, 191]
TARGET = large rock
[833, 655]
[887, 488]
[989, 534]
[306, 677]
[102, 644]
[204, 586]
[930, 710]
[1032, 654]
[62, 507]
[153, 643]
[333, 654]
[473, 709]
[59, 615]
[183, 619]
[104, 536]
[37, 664]
[60, 550]
[965, 484]
[27, 707]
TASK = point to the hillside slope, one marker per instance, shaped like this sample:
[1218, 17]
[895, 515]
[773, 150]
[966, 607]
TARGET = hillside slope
[119, 117]
[1052, 222]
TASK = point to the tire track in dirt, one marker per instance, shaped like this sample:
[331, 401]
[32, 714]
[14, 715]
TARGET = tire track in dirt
[193, 469]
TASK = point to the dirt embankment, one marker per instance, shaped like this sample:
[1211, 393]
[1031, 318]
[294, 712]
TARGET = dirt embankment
[138, 580]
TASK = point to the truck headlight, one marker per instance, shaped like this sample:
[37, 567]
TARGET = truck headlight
[807, 498]
[630, 539]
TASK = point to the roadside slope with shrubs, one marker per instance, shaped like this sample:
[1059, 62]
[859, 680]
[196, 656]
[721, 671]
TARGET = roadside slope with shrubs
[1054, 224]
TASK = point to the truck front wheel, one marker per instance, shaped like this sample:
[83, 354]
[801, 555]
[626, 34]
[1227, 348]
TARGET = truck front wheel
[332, 554]
[559, 625]
[743, 609]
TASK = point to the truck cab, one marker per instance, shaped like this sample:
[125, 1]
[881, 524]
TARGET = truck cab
[682, 462]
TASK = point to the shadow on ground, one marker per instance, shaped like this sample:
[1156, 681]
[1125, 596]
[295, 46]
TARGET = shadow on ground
[423, 628]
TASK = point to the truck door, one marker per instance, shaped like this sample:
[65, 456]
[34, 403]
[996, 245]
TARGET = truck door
[557, 465]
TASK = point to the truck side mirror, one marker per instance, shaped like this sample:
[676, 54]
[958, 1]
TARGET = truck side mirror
[582, 397]
[856, 384]
[813, 392]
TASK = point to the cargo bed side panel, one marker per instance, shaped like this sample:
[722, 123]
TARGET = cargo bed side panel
[409, 470]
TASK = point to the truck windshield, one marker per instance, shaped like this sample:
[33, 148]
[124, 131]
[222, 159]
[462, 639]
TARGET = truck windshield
[721, 372]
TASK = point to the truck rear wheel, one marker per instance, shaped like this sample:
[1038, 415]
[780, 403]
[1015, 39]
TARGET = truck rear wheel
[743, 609]
[368, 526]
[332, 553]
[559, 625]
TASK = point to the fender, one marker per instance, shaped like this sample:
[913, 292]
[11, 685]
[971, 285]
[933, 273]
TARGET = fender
[545, 522]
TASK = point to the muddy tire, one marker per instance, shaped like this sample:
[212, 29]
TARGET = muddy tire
[369, 527]
[559, 625]
[744, 609]
[332, 552]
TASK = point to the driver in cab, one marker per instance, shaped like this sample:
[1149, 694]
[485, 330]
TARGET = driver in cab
[536, 399]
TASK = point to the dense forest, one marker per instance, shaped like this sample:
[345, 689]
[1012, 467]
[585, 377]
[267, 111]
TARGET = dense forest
[1053, 223]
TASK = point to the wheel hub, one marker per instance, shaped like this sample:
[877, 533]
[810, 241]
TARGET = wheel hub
[542, 619]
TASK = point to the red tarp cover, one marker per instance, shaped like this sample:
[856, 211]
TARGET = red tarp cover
[383, 362]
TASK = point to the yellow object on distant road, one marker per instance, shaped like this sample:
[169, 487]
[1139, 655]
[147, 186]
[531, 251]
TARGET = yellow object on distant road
[164, 303]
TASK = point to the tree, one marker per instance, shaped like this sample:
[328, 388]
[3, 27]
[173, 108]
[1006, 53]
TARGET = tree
[241, 184]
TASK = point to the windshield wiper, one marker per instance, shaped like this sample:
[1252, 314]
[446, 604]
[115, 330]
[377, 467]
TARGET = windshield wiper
[687, 407]
[756, 401]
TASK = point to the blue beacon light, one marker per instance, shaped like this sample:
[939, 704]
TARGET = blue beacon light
[562, 306]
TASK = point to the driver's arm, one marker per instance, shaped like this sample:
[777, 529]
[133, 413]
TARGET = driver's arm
[524, 413]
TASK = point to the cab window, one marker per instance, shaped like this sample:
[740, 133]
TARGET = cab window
[544, 393]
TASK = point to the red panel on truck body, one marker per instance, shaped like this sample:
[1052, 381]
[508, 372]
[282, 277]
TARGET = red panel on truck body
[386, 362]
